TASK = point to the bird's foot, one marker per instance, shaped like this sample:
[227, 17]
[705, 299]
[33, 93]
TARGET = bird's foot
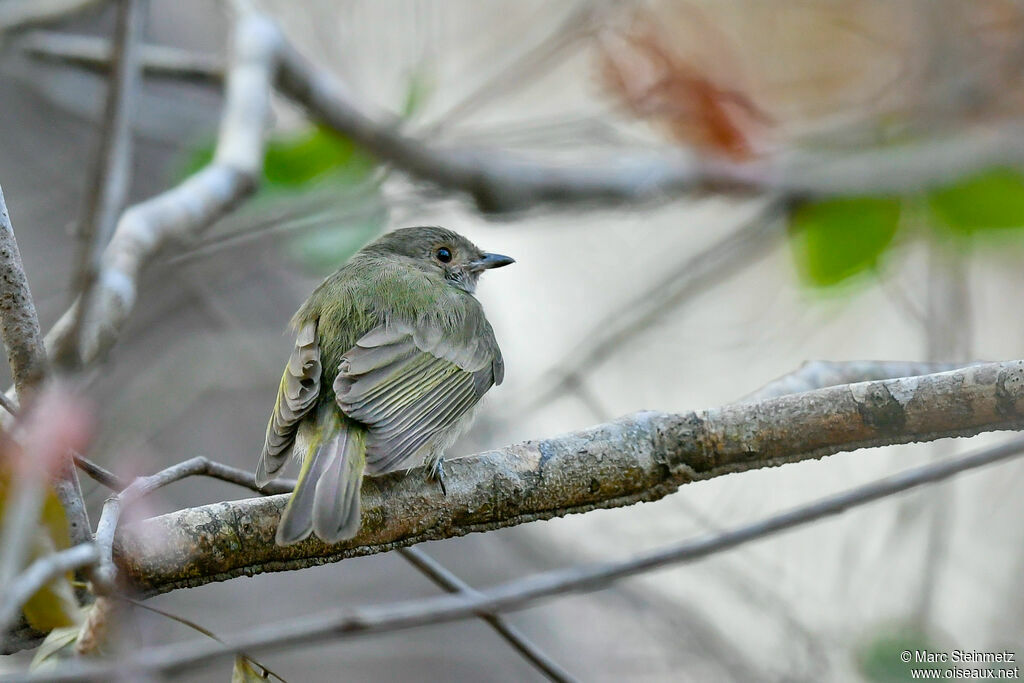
[436, 473]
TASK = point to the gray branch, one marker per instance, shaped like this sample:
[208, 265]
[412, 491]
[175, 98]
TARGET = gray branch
[105, 576]
[641, 457]
[26, 354]
[16, 15]
[502, 182]
[818, 374]
[94, 54]
[187, 209]
[349, 622]
[19, 324]
[513, 636]
[108, 186]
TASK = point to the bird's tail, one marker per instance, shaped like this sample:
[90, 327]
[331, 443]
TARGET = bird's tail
[326, 498]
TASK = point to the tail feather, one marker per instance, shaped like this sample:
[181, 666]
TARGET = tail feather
[336, 506]
[326, 498]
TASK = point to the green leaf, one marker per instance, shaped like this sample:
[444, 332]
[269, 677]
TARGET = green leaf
[417, 93]
[881, 658]
[992, 200]
[297, 161]
[836, 239]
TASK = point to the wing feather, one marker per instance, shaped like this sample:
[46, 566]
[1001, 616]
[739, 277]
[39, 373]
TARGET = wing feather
[407, 383]
[298, 391]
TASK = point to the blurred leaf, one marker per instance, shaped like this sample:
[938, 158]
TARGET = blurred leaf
[59, 645]
[992, 200]
[245, 671]
[880, 659]
[835, 239]
[421, 87]
[296, 161]
[54, 605]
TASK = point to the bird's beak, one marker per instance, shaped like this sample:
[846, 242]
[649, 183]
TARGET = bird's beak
[490, 261]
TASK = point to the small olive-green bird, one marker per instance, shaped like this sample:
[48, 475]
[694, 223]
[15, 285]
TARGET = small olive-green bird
[392, 354]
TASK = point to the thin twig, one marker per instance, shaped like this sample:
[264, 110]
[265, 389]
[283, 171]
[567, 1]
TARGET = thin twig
[106, 574]
[818, 374]
[185, 210]
[194, 626]
[349, 622]
[209, 468]
[108, 186]
[93, 53]
[7, 404]
[513, 636]
[40, 573]
[100, 473]
[695, 275]
[18, 15]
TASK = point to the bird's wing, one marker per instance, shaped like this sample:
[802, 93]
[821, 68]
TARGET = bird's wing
[407, 382]
[300, 385]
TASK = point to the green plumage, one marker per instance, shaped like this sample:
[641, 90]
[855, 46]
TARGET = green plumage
[392, 353]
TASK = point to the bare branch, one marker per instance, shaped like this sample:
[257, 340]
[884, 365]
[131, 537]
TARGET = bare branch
[108, 187]
[18, 15]
[641, 457]
[818, 374]
[349, 622]
[40, 573]
[500, 182]
[106, 574]
[94, 53]
[697, 274]
[186, 210]
[19, 324]
[513, 636]
[26, 354]
[206, 468]
[100, 474]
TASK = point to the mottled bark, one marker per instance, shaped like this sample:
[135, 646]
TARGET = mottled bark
[19, 324]
[641, 457]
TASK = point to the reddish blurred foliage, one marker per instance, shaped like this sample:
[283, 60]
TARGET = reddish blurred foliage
[57, 423]
[639, 66]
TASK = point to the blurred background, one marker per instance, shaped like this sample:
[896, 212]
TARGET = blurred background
[601, 315]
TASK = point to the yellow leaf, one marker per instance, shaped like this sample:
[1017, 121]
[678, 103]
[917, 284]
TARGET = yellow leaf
[245, 671]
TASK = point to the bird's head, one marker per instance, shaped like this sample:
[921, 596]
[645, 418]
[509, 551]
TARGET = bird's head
[441, 252]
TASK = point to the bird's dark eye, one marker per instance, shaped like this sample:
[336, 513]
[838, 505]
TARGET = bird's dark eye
[444, 255]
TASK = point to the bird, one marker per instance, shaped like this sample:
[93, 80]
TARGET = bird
[392, 354]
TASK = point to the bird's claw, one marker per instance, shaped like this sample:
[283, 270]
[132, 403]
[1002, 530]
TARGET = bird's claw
[436, 473]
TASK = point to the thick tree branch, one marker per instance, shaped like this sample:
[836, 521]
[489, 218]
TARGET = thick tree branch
[637, 458]
[26, 354]
[19, 324]
[348, 622]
